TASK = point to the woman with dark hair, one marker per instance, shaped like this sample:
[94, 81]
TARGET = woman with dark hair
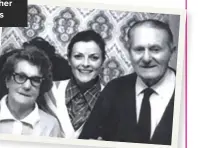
[27, 76]
[72, 101]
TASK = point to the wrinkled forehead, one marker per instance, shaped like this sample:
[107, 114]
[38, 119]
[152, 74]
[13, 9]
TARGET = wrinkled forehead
[26, 67]
[146, 34]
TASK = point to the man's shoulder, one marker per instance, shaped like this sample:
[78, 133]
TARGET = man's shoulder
[122, 83]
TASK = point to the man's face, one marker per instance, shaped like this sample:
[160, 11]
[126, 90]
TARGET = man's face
[26, 93]
[150, 53]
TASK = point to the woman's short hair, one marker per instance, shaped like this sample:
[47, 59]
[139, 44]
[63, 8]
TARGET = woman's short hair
[35, 57]
[86, 36]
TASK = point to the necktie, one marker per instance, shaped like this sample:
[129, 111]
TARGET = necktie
[144, 124]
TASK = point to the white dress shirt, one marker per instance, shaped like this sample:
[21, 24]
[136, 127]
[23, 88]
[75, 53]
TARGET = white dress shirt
[36, 123]
[159, 100]
[17, 127]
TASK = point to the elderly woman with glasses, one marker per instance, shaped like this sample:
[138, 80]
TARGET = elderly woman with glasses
[27, 76]
[72, 100]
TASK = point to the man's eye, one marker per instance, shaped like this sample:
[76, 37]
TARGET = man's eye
[155, 49]
[138, 49]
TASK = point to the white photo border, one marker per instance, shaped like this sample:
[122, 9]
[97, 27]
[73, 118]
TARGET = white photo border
[179, 95]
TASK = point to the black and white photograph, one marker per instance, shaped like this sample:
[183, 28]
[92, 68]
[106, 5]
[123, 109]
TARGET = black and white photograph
[93, 74]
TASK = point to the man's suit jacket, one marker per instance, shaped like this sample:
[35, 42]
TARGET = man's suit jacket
[114, 115]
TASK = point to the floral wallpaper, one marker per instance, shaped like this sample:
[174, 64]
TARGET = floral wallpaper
[59, 24]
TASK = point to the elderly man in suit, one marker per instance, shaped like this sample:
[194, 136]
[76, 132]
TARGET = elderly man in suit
[139, 107]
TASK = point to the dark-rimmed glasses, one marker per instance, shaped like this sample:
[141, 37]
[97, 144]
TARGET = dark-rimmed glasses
[22, 78]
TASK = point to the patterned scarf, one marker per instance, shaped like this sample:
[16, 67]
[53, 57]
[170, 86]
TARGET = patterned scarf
[79, 104]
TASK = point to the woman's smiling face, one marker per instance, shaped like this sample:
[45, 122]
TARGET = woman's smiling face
[85, 61]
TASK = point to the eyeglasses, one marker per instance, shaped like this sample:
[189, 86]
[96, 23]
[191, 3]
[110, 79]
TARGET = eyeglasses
[22, 78]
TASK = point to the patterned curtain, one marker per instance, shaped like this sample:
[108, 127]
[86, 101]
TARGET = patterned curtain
[59, 24]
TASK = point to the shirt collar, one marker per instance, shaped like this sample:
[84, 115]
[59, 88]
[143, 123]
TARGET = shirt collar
[5, 114]
[164, 87]
[140, 86]
[89, 95]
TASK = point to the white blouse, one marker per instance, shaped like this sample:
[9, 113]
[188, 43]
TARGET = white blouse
[56, 103]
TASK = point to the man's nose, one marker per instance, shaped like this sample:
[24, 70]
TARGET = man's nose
[147, 56]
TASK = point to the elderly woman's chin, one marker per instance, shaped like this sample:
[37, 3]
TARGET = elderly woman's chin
[21, 98]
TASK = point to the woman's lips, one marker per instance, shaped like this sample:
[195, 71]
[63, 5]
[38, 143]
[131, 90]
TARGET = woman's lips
[85, 71]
